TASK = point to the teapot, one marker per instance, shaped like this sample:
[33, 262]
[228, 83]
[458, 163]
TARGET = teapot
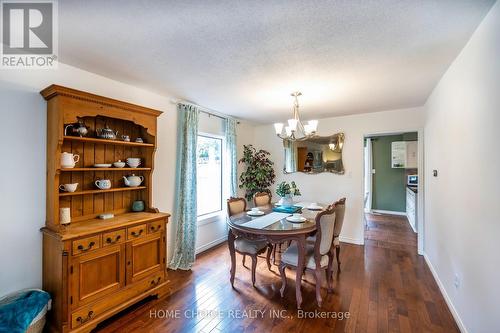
[133, 180]
[78, 128]
[106, 133]
[68, 160]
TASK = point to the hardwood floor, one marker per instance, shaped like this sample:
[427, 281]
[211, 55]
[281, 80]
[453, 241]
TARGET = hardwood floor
[384, 287]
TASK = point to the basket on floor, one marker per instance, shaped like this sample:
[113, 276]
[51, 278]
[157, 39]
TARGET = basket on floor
[24, 311]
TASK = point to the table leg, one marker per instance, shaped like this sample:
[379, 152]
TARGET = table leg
[301, 246]
[232, 253]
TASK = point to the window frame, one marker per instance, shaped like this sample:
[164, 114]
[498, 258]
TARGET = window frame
[215, 215]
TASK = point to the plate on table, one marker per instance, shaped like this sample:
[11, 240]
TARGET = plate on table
[259, 213]
[311, 207]
[102, 165]
[294, 219]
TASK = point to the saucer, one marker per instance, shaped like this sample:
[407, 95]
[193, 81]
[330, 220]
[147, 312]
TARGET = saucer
[296, 220]
[314, 207]
[102, 165]
[259, 213]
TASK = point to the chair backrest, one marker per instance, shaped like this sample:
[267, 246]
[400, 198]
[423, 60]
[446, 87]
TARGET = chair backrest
[325, 224]
[236, 206]
[339, 217]
[261, 199]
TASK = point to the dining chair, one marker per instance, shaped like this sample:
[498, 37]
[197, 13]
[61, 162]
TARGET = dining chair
[244, 246]
[261, 199]
[318, 255]
[339, 221]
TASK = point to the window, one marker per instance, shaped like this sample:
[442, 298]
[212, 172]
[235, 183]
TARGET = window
[209, 174]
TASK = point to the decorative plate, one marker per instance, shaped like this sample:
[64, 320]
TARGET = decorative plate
[292, 219]
[259, 213]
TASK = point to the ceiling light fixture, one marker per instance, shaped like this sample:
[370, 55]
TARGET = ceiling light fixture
[296, 130]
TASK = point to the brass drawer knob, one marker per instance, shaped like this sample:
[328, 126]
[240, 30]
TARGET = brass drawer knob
[86, 319]
[81, 248]
[109, 240]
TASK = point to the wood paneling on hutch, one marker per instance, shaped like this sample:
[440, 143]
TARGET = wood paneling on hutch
[94, 268]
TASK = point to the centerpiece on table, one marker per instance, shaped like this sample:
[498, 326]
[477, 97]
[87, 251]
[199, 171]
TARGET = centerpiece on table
[287, 191]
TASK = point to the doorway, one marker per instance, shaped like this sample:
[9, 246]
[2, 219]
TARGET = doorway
[392, 200]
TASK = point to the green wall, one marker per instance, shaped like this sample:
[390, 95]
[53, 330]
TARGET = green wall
[389, 185]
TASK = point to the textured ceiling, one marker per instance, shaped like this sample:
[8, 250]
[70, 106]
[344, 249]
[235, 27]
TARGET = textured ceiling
[245, 57]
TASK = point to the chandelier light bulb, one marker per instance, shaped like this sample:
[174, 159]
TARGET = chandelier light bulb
[314, 125]
[288, 131]
[278, 127]
[292, 123]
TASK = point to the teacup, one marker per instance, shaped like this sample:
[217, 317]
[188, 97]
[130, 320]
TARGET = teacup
[68, 187]
[255, 210]
[103, 184]
[297, 216]
[126, 138]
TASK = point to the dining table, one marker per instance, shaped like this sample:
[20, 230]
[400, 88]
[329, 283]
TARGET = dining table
[274, 228]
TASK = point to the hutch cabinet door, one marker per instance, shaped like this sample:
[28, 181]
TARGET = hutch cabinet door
[145, 256]
[97, 274]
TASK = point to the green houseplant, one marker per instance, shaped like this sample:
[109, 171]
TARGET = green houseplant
[287, 192]
[259, 171]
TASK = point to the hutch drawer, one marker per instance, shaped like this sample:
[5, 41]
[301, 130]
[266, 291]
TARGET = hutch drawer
[136, 232]
[87, 244]
[113, 237]
[155, 226]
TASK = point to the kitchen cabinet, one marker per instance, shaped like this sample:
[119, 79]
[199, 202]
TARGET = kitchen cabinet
[404, 154]
[411, 208]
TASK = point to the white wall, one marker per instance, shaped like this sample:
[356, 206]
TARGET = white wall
[326, 187]
[23, 157]
[462, 217]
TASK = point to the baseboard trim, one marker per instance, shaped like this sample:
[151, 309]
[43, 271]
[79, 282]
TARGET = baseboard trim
[447, 298]
[211, 244]
[390, 212]
[352, 240]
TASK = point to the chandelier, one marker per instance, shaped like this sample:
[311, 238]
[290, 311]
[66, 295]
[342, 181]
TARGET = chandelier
[296, 130]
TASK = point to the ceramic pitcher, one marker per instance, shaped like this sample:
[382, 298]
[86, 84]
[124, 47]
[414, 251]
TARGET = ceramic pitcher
[68, 160]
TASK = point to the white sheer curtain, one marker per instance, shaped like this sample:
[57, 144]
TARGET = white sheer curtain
[368, 175]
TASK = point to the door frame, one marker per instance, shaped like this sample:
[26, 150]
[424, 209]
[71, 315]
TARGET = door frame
[421, 181]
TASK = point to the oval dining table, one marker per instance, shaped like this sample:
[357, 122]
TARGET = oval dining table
[240, 225]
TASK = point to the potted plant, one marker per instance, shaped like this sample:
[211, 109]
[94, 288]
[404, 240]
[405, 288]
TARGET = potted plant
[259, 172]
[287, 192]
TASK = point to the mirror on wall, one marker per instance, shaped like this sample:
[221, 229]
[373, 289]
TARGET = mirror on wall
[314, 155]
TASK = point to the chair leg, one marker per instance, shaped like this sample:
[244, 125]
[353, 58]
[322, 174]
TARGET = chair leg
[282, 268]
[243, 261]
[254, 266]
[329, 273]
[274, 255]
[318, 286]
[337, 251]
[268, 256]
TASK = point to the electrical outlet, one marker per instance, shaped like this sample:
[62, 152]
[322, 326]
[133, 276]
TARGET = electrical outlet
[456, 281]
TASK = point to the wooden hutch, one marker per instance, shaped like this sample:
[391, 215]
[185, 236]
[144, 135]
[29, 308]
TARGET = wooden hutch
[94, 268]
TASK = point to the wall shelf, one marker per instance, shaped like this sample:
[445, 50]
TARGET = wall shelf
[107, 142]
[116, 189]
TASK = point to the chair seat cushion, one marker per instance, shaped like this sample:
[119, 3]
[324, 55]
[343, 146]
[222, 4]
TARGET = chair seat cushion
[291, 256]
[249, 246]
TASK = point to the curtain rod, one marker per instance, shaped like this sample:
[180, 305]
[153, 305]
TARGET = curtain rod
[205, 110]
